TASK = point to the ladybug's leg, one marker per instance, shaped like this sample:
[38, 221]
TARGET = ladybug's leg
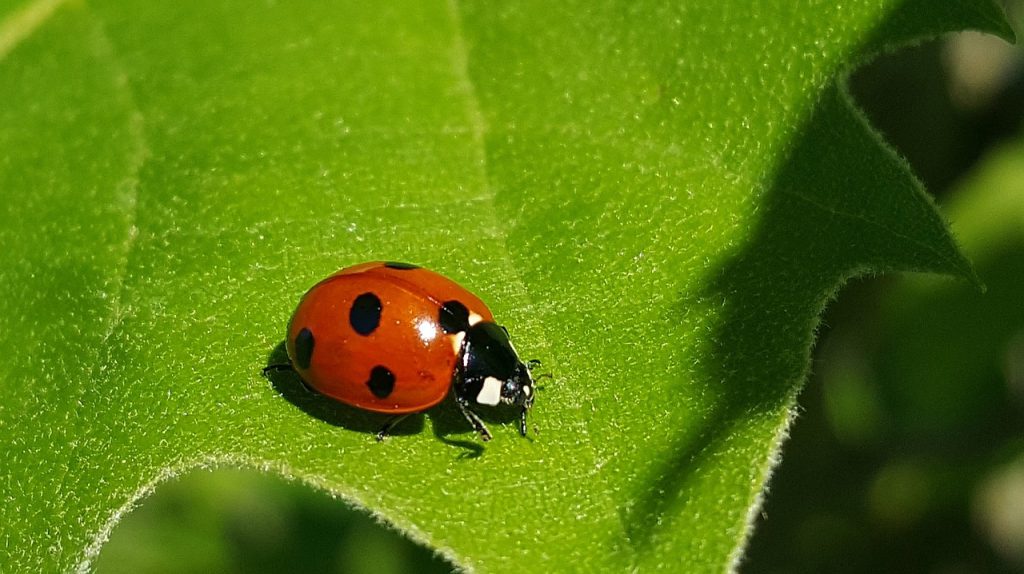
[277, 367]
[474, 420]
[522, 421]
[386, 429]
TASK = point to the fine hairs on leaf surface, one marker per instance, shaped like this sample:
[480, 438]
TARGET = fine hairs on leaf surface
[656, 198]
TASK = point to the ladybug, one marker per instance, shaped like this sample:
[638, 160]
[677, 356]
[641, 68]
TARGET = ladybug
[395, 338]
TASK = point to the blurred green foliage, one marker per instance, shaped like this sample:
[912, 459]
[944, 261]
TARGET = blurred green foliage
[232, 520]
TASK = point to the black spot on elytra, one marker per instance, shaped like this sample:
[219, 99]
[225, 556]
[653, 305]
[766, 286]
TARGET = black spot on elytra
[399, 265]
[364, 316]
[381, 382]
[304, 348]
[454, 317]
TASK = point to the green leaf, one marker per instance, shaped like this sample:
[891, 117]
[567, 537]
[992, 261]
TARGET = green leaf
[656, 199]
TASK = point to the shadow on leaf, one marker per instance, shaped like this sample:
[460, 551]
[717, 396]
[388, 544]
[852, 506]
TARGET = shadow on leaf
[288, 384]
[864, 211]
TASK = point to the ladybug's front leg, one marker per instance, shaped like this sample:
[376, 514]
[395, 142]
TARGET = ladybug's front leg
[277, 368]
[473, 419]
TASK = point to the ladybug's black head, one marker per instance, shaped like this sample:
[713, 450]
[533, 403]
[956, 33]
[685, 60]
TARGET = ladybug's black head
[491, 372]
[518, 389]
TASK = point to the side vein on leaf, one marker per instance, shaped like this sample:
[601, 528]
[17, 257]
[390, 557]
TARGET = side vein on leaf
[129, 185]
[128, 192]
[23, 22]
[833, 211]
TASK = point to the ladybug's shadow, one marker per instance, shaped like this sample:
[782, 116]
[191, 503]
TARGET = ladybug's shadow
[446, 419]
[288, 384]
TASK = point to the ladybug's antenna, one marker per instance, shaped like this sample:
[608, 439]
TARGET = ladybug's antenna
[542, 376]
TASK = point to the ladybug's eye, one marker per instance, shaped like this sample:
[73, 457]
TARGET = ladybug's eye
[510, 388]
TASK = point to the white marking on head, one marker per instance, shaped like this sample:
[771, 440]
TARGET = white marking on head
[457, 341]
[490, 394]
[474, 319]
[527, 390]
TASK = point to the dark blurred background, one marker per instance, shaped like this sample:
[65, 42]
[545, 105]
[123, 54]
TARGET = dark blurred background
[908, 454]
